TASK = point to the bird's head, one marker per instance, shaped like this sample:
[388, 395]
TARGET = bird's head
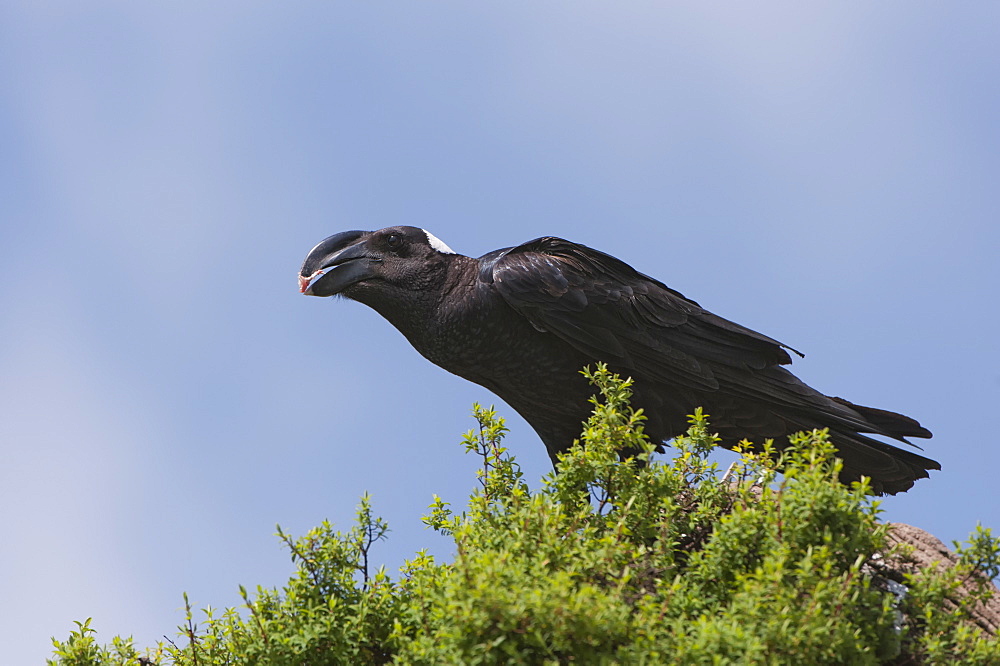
[353, 263]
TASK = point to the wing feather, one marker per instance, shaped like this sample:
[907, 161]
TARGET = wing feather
[607, 309]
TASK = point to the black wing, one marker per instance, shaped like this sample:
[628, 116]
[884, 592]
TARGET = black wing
[611, 312]
[606, 309]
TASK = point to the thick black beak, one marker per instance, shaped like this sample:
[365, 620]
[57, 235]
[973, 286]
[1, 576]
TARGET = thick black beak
[336, 263]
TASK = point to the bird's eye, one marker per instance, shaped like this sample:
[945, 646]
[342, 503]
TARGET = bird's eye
[394, 240]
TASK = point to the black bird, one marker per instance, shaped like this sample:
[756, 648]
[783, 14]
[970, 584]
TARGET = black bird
[523, 321]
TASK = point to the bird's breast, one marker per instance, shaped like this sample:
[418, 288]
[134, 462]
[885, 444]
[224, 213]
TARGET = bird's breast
[505, 356]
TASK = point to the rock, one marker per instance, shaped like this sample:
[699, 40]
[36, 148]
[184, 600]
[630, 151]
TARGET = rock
[912, 550]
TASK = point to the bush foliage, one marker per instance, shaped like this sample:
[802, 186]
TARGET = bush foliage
[610, 561]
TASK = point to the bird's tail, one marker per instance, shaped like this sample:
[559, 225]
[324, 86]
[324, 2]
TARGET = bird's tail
[892, 469]
[887, 423]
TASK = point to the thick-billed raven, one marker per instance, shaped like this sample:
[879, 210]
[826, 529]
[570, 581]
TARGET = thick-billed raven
[523, 321]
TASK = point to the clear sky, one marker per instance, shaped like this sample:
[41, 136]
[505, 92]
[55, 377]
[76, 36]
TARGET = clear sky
[826, 173]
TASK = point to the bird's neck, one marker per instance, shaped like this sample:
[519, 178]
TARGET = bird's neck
[417, 309]
[433, 319]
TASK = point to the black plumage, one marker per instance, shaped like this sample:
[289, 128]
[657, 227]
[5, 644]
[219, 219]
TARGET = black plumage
[523, 322]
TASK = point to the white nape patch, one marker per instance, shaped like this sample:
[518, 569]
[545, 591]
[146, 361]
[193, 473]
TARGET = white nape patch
[438, 244]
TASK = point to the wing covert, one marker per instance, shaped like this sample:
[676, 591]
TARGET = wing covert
[606, 309]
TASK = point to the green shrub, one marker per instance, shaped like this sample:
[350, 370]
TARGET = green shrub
[611, 561]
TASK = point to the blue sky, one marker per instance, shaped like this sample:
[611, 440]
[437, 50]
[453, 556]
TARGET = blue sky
[824, 173]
